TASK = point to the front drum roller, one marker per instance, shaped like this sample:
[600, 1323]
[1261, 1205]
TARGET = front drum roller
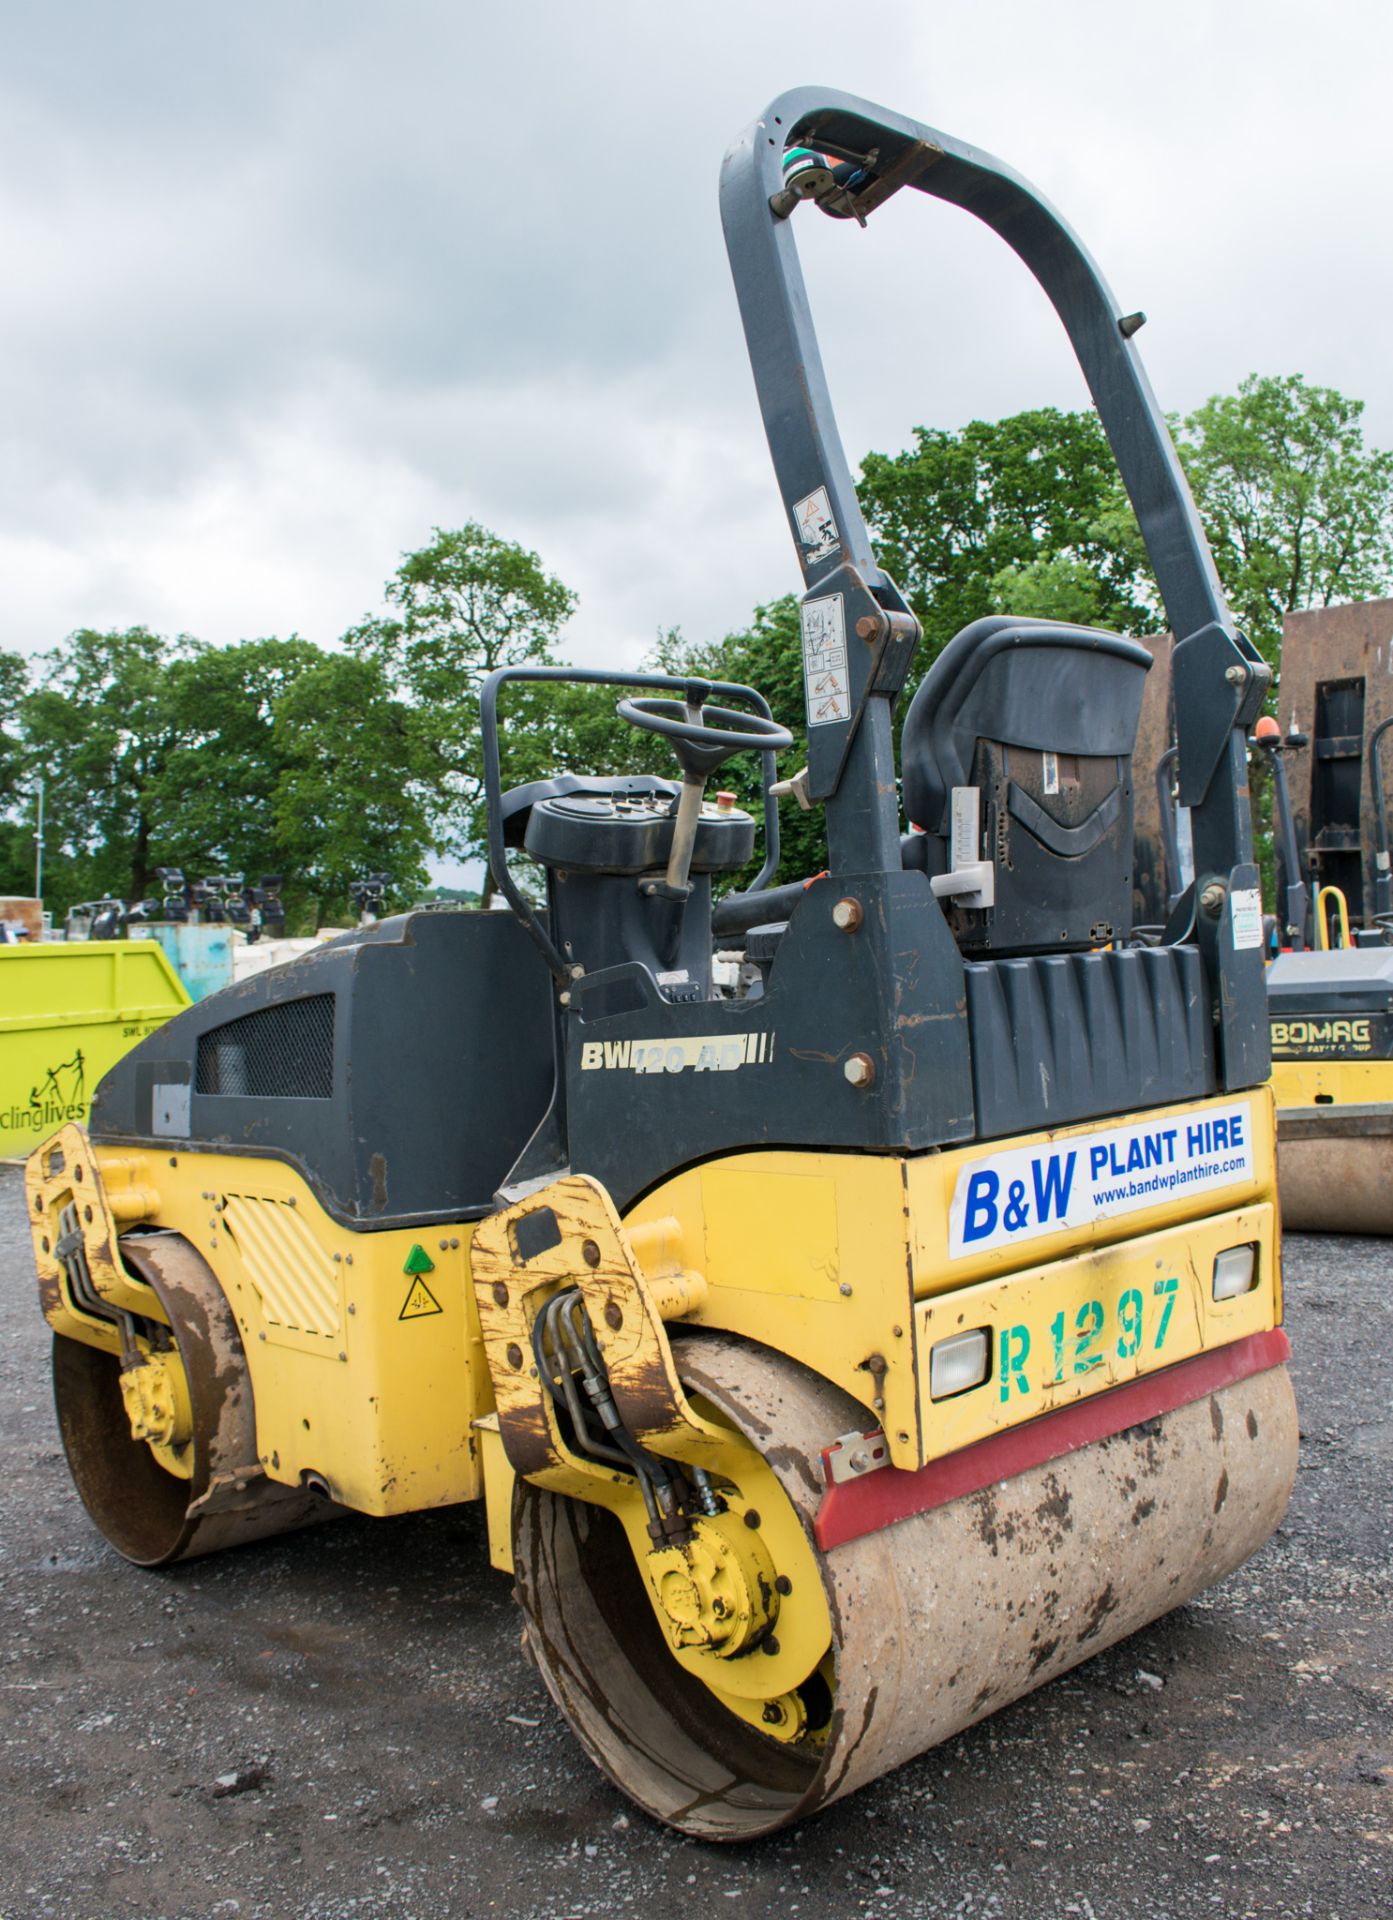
[157, 1504]
[936, 1621]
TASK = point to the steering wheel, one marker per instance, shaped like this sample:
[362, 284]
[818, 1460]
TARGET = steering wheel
[705, 744]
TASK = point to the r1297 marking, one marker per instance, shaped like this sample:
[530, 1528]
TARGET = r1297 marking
[1079, 1347]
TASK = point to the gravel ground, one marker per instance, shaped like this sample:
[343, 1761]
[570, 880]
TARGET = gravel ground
[394, 1756]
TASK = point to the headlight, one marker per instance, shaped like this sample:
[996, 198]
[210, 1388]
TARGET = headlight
[1235, 1272]
[962, 1361]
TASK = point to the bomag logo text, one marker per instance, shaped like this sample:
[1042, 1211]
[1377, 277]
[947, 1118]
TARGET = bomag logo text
[1317, 1035]
[701, 1052]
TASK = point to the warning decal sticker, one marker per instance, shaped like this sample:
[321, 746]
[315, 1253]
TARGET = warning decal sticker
[1247, 917]
[826, 681]
[816, 528]
[419, 1302]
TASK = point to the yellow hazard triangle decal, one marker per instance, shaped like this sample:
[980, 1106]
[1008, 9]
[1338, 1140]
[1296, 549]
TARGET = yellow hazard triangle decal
[420, 1300]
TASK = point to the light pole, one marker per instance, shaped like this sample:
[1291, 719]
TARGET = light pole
[39, 846]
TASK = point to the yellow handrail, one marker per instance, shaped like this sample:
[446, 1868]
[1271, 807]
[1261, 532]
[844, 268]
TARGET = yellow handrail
[1322, 925]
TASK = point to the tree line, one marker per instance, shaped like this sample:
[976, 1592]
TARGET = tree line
[271, 755]
[281, 755]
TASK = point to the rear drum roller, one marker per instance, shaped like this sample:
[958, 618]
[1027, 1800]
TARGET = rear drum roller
[193, 1484]
[1335, 1172]
[934, 1622]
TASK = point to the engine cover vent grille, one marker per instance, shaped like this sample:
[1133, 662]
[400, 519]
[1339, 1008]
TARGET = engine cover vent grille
[283, 1052]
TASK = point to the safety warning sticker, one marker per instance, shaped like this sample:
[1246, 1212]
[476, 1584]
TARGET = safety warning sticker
[816, 528]
[826, 681]
[1247, 917]
[419, 1302]
[1026, 1191]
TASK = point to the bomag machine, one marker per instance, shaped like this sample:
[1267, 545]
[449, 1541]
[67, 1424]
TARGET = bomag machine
[1330, 987]
[846, 1339]
[1330, 936]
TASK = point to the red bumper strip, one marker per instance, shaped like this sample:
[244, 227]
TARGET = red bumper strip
[857, 1507]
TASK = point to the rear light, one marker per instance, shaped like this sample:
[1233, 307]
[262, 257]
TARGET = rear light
[959, 1363]
[1235, 1272]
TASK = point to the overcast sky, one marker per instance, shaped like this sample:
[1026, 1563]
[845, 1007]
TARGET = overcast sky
[286, 285]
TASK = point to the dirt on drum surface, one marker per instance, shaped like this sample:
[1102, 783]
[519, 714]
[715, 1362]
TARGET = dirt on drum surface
[339, 1723]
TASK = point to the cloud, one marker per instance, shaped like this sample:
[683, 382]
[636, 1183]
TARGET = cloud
[286, 287]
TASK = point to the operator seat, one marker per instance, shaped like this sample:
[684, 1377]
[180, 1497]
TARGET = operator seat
[1040, 718]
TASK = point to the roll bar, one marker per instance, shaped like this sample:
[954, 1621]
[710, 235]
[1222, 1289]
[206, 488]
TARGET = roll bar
[852, 611]
[1220, 677]
[1295, 910]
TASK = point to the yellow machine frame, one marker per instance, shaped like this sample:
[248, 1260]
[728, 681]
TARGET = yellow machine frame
[367, 1351]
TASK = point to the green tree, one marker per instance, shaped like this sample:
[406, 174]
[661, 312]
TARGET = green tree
[98, 729]
[14, 681]
[352, 795]
[1298, 511]
[293, 760]
[1022, 515]
[16, 800]
[270, 756]
[220, 773]
[460, 607]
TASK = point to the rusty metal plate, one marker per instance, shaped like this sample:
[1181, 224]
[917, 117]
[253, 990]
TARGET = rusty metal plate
[1323, 651]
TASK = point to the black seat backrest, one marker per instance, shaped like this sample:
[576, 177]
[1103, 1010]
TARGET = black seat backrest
[1041, 719]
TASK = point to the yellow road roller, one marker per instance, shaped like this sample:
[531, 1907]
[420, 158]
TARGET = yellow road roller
[1330, 997]
[856, 1301]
